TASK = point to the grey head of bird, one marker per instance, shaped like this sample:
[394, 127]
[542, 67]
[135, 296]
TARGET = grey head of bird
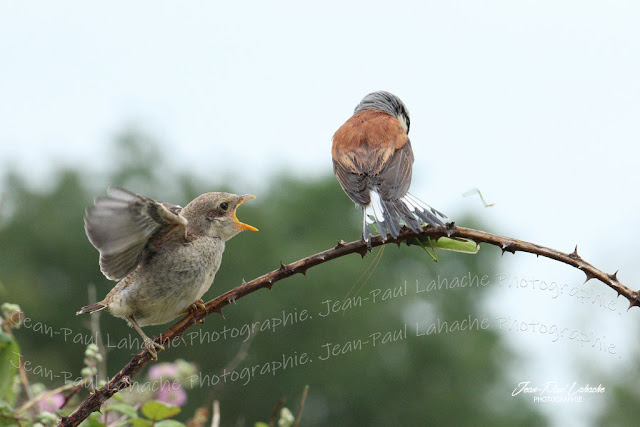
[214, 215]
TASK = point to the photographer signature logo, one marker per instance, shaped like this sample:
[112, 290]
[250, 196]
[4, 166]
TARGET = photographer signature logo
[554, 392]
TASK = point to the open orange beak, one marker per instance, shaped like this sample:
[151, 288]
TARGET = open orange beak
[241, 225]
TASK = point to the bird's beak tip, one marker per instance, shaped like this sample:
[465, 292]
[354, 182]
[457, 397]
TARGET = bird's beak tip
[241, 225]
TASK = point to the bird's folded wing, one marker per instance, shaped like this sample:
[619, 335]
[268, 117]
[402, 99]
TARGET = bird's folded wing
[120, 227]
[394, 177]
[354, 184]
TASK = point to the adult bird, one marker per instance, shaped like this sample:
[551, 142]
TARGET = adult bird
[373, 159]
[163, 256]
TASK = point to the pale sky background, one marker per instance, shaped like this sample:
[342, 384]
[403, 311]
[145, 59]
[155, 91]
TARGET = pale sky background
[535, 103]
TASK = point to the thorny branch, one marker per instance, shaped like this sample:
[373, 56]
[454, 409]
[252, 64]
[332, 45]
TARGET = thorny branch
[123, 378]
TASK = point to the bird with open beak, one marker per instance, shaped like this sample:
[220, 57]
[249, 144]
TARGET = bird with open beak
[164, 257]
[373, 160]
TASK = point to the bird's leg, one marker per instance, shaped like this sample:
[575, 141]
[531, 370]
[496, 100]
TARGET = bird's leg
[149, 344]
[199, 305]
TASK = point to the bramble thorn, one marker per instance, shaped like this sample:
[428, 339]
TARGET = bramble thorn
[362, 251]
[574, 254]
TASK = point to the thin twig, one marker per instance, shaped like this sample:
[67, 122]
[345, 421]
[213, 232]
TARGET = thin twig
[95, 331]
[276, 412]
[67, 398]
[301, 407]
[123, 378]
[215, 419]
[24, 379]
[42, 396]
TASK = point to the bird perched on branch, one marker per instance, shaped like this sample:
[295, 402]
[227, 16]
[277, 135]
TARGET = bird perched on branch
[165, 257]
[373, 159]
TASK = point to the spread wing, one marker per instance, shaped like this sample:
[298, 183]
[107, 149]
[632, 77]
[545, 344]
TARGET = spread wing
[121, 225]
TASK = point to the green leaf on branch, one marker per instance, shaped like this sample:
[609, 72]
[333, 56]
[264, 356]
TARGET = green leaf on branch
[123, 409]
[156, 410]
[169, 423]
[94, 420]
[141, 422]
[9, 362]
[5, 410]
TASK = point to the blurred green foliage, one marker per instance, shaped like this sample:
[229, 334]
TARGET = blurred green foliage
[456, 378]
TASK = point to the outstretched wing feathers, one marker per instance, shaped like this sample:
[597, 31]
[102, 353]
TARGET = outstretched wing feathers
[120, 226]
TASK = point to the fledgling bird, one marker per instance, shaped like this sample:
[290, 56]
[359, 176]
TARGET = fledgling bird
[164, 257]
[373, 160]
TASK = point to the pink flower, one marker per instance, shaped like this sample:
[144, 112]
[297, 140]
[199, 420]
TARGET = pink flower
[51, 403]
[165, 371]
[172, 393]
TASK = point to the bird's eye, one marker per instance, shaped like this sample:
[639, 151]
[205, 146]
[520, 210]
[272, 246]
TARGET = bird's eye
[224, 206]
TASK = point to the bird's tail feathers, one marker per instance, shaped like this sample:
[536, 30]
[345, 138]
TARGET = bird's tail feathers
[422, 210]
[390, 215]
[92, 308]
